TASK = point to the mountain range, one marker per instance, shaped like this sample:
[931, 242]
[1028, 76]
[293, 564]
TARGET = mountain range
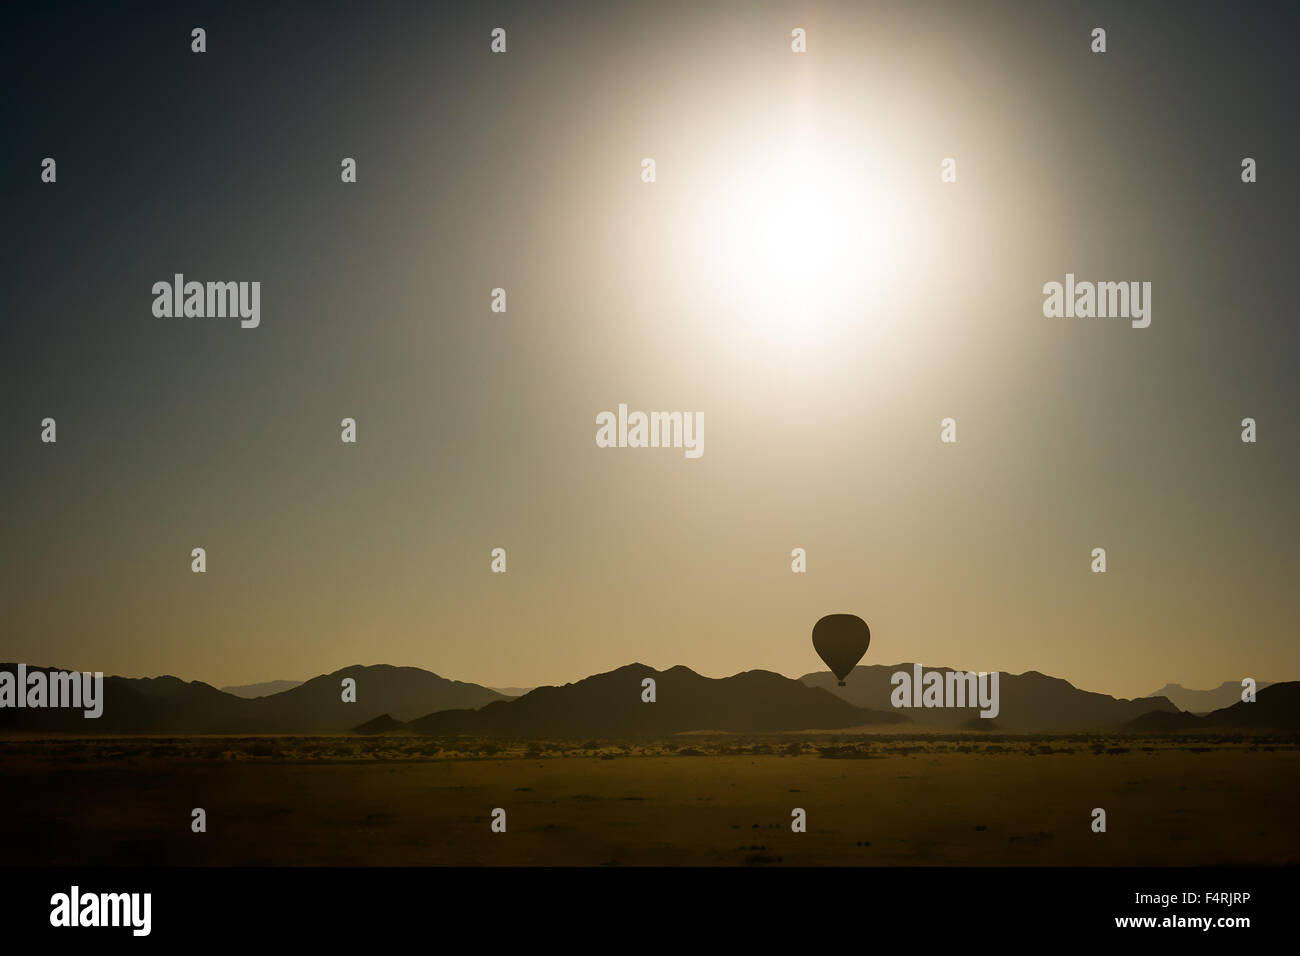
[611, 705]
[1028, 703]
[412, 700]
[1276, 707]
[267, 688]
[171, 705]
[1204, 701]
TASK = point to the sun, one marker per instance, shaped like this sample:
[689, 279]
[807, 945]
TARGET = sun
[797, 241]
[793, 227]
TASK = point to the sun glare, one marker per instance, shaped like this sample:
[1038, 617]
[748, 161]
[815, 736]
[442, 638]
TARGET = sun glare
[799, 242]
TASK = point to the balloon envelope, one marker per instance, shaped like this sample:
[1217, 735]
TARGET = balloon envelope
[841, 640]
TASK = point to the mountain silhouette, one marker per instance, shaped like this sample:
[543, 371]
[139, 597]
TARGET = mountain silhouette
[401, 692]
[610, 705]
[137, 705]
[264, 689]
[1276, 707]
[383, 724]
[1028, 703]
[1204, 701]
[171, 705]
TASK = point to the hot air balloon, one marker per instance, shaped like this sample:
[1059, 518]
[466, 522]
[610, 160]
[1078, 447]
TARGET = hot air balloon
[841, 640]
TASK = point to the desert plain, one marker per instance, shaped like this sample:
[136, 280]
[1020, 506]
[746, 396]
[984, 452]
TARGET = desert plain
[695, 799]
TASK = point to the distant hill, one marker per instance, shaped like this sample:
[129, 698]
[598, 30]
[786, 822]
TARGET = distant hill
[610, 705]
[401, 692]
[513, 691]
[1277, 708]
[383, 724]
[1029, 703]
[1204, 701]
[171, 705]
[136, 705]
[261, 690]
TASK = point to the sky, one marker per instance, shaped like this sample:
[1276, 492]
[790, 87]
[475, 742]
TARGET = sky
[797, 272]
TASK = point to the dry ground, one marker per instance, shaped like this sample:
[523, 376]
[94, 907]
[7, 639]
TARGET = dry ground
[880, 799]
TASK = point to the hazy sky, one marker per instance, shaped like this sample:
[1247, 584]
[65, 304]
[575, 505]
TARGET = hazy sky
[797, 273]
